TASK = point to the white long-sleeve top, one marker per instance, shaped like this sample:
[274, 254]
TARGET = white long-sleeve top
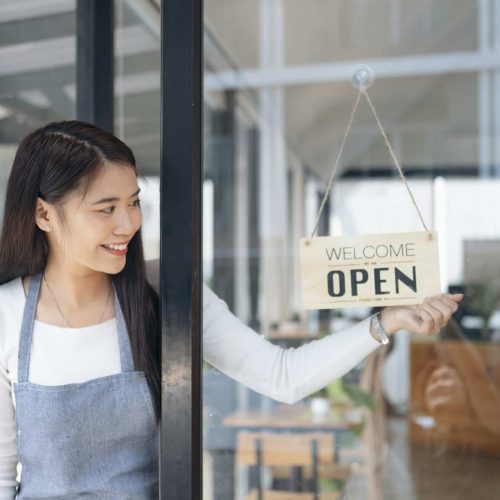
[72, 355]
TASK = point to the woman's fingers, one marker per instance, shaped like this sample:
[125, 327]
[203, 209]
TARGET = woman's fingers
[427, 321]
[439, 308]
[427, 318]
[444, 309]
[456, 297]
[435, 313]
[447, 299]
[447, 307]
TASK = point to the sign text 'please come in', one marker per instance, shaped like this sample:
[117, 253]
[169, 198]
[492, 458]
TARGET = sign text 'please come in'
[369, 270]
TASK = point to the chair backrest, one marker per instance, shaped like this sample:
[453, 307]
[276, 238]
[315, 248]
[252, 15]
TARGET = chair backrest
[371, 376]
[285, 449]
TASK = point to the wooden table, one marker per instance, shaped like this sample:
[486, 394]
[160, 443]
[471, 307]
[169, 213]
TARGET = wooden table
[289, 417]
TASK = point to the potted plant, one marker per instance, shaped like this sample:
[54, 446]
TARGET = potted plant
[342, 393]
[482, 299]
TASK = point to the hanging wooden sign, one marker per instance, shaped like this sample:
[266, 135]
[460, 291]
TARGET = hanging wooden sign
[369, 270]
[374, 269]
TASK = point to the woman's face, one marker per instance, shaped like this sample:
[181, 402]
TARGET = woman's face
[109, 214]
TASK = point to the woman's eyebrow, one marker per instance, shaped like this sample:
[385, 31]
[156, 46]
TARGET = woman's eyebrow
[113, 198]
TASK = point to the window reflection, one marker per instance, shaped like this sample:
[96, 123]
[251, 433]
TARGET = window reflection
[278, 98]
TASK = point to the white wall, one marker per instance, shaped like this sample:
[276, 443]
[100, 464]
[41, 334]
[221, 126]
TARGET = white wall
[459, 209]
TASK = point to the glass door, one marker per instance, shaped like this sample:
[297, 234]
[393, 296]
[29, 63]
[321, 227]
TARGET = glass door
[416, 421]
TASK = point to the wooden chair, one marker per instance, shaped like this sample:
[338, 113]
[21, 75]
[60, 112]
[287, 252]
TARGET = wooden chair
[306, 450]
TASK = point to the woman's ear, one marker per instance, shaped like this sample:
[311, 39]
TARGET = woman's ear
[43, 217]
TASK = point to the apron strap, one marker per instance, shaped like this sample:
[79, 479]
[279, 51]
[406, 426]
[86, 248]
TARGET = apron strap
[126, 356]
[23, 355]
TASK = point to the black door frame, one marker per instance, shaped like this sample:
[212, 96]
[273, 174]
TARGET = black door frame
[181, 248]
[95, 62]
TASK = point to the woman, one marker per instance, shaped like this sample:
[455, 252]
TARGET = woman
[79, 345]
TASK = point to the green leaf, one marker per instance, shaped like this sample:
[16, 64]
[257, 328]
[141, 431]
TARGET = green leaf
[360, 397]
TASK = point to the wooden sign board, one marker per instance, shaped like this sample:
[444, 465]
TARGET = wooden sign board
[369, 270]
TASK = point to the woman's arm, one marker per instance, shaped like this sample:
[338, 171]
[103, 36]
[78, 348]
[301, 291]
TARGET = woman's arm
[286, 375]
[8, 451]
[289, 375]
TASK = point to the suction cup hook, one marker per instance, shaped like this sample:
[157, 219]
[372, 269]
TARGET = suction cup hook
[362, 77]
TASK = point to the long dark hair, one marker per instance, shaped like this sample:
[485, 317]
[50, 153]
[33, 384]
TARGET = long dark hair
[52, 162]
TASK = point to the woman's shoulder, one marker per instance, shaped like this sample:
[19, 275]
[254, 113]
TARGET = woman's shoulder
[11, 308]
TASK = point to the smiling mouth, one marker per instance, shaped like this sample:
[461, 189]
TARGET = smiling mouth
[116, 246]
[116, 251]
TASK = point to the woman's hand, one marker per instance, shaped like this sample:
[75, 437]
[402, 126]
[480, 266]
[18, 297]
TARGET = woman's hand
[427, 318]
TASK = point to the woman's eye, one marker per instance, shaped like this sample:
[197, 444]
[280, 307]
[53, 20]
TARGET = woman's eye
[110, 210]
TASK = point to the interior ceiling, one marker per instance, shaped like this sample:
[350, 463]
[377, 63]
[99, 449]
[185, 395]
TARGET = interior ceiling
[37, 76]
[432, 120]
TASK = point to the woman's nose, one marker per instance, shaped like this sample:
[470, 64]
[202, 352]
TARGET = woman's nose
[126, 223]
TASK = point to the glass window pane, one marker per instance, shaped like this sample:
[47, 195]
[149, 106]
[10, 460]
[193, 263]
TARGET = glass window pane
[137, 106]
[37, 73]
[417, 420]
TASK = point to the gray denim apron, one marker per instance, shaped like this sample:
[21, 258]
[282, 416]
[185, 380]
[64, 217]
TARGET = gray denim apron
[97, 439]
